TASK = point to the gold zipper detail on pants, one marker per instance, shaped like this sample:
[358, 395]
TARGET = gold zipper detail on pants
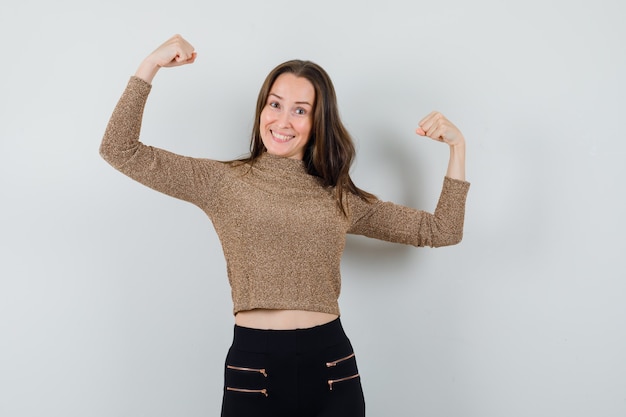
[331, 364]
[332, 381]
[251, 391]
[239, 368]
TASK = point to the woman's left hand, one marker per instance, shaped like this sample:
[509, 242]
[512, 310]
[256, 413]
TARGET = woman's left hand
[437, 127]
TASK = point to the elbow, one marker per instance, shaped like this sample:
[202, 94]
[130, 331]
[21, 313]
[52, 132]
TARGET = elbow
[447, 233]
[105, 153]
[455, 240]
[449, 239]
[114, 155]
[102, 151]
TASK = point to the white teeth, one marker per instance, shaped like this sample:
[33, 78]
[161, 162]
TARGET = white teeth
[282, 137]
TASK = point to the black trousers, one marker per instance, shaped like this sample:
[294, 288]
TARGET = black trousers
[292, 373]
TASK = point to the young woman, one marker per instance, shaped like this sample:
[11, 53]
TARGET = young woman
[282, 216]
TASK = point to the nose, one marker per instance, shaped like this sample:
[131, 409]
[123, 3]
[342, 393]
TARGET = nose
[284, 120]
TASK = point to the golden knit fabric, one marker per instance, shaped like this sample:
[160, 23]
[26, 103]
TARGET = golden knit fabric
[281, 231]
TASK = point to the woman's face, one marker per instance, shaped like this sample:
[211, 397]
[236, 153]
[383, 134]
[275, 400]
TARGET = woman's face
[287, 117]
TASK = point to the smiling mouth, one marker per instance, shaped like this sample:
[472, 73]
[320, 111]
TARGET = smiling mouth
[281, 138]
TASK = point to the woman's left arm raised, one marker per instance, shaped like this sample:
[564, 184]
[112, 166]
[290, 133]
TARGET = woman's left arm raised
[396, 223]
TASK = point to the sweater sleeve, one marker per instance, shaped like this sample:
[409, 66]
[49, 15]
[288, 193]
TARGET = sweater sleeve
[186, 178]
[400, 224]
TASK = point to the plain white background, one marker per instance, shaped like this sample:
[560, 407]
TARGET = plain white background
[114, 299]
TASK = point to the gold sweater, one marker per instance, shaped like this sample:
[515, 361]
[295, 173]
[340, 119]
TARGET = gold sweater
[281, 231]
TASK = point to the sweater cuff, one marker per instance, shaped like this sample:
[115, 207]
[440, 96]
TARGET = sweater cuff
[453, 184]
[139, 84]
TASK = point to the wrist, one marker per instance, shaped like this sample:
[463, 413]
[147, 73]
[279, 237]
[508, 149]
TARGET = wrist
[456, 165]
[458, 148]
[147, 70]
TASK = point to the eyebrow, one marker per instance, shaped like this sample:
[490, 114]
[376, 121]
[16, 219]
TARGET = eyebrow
[297, 102]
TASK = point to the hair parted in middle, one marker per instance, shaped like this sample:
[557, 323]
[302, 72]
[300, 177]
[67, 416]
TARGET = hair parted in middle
[330, 150]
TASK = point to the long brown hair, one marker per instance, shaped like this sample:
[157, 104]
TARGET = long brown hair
[330, 150]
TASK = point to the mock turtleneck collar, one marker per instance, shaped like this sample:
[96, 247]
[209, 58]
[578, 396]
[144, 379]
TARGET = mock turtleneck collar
[274, 162]
[284, 172]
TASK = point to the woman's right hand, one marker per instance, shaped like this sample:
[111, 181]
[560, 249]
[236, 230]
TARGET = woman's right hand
[174, 52]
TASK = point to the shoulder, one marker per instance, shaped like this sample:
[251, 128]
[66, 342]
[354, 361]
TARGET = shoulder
[358, 206]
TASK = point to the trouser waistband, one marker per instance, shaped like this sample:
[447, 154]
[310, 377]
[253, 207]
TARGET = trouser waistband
[283, 341]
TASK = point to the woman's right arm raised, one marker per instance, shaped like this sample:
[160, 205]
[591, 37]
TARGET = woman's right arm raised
[176, 175]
